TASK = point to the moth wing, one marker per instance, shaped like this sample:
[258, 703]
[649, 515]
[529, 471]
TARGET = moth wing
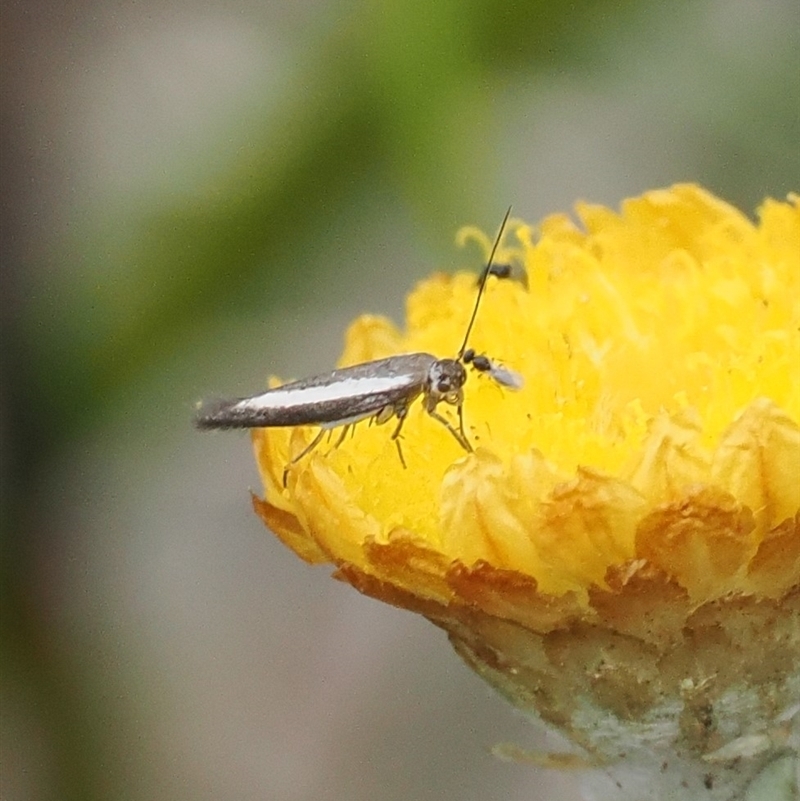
[344, 395]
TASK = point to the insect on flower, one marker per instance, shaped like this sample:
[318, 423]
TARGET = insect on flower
[514, 272]
[378, 390]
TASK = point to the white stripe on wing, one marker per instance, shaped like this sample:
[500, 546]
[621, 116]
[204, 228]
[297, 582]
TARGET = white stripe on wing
[280, 398]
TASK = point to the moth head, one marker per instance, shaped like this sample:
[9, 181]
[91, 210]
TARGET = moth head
[446, 377]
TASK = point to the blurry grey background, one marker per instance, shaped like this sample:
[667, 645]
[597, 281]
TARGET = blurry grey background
[197, 195]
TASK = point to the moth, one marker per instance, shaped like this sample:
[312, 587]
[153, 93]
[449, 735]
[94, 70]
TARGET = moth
[379, 390]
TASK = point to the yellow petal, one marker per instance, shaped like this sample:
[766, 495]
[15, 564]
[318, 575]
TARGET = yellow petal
[758, 462]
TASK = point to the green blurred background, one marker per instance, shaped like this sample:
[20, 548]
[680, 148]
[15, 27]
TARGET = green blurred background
[198, 195]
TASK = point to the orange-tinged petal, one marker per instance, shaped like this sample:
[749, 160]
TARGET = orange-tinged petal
[775, 568]
[289, 531]
[641, 601]
[672, 457]
[704, 540]
[475, 506]
[407, 562]
[588, 524]
[513, 596]
[339, 528]
[758, 462]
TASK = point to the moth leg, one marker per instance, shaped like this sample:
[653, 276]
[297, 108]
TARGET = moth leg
[345, 428]
[400, 454]
[401, 411]
[384, 415]
[459, 435]
[310, 447]
[461, 424]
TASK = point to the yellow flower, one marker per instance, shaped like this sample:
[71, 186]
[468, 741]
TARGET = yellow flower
[621, 553]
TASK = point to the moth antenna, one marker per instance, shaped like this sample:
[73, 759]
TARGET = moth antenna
[482, 286]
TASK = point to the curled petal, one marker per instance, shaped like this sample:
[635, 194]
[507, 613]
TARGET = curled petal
[758, 462]
[704, 540]
[587, 524]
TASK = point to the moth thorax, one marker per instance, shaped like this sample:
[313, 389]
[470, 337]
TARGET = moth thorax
[445, 379]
